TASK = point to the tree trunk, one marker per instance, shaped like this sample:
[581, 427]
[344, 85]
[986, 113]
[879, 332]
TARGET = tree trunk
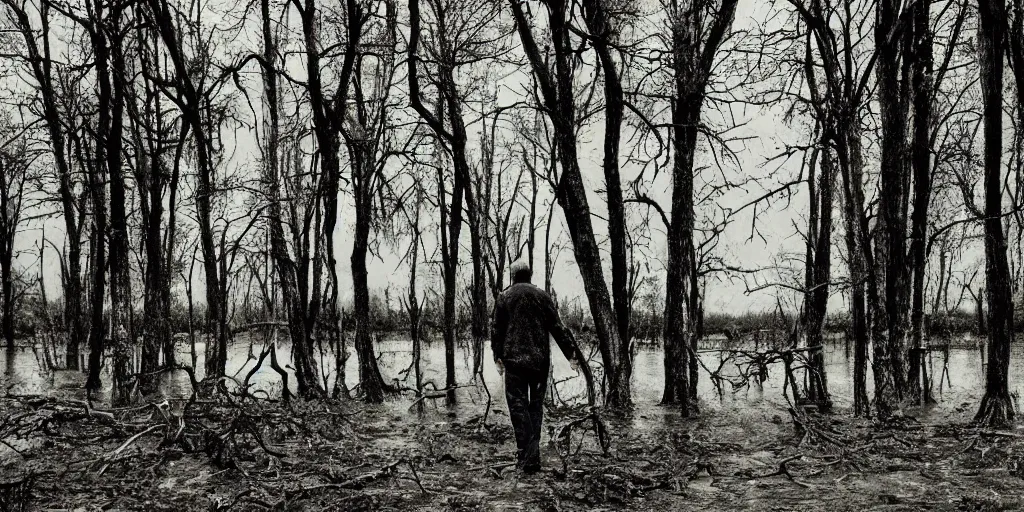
[191, 310]
[531, 240]
[154, 329]
[478, 290]
[192, 113]
[692, 67]
[941, 287]
[151, 178]
[679, 282]
[7, 285]
[819, 245]
[12, 196]
[572, 198]
[890, 304]
[448, 105]
[370, 379]
[852, 172]
[294, 299]
[42, 64]
[979, 312]
[599, 24]
[216, 344]
[413, 302]
[331, 166]
[460, 182]
[109, 62]
[478, 200]
[74, 322]
[549, 262]
[450, 263]
[922, 195]
[99, 264]
[996, 405]
[168, 251]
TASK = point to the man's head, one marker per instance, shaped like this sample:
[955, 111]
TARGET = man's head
[521, 272]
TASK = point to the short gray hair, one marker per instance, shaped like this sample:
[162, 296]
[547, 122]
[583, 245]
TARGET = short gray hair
[521, 271]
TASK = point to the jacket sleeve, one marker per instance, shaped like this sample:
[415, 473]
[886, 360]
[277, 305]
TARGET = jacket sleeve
[563, 336]
[499, 326]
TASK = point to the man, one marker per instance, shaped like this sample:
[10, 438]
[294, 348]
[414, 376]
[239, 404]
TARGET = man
[524, 315]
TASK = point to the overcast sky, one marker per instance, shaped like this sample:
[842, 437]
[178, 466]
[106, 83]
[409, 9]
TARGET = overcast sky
[775, 242]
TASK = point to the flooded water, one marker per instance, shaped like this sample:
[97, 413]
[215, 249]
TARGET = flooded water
[958, 396]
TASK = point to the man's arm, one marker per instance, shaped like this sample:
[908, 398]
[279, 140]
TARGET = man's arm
[563, 336]
[499, 324]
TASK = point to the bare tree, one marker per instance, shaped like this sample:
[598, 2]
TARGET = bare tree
[104, 28]
[603, 20]
[558, 95]
[15, 161]
[818, 271]
[157, 177]
[927, 83]
[292, 277]
[996, 406]
[192, 94]
[697, 32]
[371, 54]
[497, 200]
[891, 302]
[41, 63]
[492, 224]
[461, 33]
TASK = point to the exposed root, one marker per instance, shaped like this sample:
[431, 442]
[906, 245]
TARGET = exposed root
[996, 411]
[814, 434]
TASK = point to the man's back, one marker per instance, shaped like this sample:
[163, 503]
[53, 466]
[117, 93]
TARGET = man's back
[524, 315]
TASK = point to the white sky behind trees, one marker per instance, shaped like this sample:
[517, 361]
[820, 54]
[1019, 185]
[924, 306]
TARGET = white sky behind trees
[764, 133]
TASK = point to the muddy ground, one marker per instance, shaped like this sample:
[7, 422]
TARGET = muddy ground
[225, 453]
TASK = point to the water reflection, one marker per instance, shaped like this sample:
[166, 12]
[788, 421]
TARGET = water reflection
[964, 384]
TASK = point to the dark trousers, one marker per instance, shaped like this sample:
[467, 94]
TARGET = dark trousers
[524, 392]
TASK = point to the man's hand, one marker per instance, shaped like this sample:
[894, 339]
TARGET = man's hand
[574, 364]
[501, 366]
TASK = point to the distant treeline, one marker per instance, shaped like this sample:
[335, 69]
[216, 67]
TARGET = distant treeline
[956, 322]
[645, 326]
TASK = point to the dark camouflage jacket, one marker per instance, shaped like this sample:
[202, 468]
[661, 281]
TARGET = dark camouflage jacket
[524, 315]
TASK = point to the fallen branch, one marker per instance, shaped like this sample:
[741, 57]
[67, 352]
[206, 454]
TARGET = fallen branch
[434, 395]
[416, 477]
[94, 413]
[353, 483]
[996, 433]
[563, 439]
[112, 456]
[501, 465]
[784, 471]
